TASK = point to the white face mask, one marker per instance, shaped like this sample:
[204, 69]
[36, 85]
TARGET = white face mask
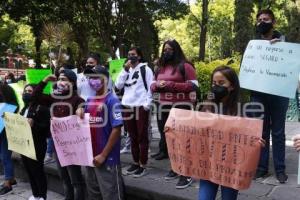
[8, 80]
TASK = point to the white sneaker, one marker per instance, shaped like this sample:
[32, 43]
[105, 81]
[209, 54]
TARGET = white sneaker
[125, 150]
[34, 198]
[48, 159]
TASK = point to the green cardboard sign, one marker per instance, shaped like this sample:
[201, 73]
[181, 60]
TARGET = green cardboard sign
[34, 76]
[18, 89]
[115, 67]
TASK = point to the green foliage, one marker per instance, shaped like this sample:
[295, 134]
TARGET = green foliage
[204, 71]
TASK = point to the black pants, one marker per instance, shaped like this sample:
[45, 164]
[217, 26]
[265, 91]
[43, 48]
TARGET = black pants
[35, 170]
[163, 112]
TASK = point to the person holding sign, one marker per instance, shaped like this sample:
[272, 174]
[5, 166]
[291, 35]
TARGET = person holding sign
[225, 91]
[8, 96]
[39, 120]
[63, 102]
[136, 78]
[275, 108]
[105, 179]
[175, 85]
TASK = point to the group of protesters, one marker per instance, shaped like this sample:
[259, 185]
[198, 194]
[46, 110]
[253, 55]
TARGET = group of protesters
[127, 104]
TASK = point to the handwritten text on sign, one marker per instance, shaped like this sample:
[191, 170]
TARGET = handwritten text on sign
[19, 135]
[271, 68]
[222, 149]
[72, 140]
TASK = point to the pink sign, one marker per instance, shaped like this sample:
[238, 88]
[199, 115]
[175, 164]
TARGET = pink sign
[72, 140]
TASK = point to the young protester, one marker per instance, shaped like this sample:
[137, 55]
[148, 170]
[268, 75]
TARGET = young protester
[174, 86]
[224, 99]
[39, 120]
[83, 88]
[63, 102]
[136, 78]
[105, 179]
[275, 108]
[7, 95]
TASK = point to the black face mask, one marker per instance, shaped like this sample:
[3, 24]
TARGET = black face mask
[89, 66]
[168, 56]
[263, 28]
[219, 92]
[133, 59]
[26, 98]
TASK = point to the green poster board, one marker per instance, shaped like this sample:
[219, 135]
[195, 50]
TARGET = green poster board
[18, 89]
[115, 67]
[34, 76]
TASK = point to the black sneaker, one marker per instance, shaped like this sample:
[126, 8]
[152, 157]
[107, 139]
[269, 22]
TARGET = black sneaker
[5, 190]
[184, 182]
[171, 175]
[132, 169]
[154, 155]
[282, 177]
[161, 156]
[260, 174]
[140, 172]
[13, 183]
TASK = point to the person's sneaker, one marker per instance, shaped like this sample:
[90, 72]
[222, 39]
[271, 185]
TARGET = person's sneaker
[132, 169]
[5, 190]
[260, 174]
[161, 156]
[154, 155]
[140, 172]
[34, 198]
[125, 150]
[171, 175]
[13, 183]
[184, 182]
[282, 177]
[48, 159]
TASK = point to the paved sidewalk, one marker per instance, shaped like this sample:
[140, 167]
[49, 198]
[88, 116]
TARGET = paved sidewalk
[23, 191]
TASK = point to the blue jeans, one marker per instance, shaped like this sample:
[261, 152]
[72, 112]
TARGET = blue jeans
[50, 145]
[8, 166]
[275, 108]
[208, 191]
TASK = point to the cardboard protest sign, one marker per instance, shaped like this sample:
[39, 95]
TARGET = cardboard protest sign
[271, 68]
[19, 135]
[72, 140]
[18, 89]
[115, 67]
[219, 148]
[5, 107]
[34, 76]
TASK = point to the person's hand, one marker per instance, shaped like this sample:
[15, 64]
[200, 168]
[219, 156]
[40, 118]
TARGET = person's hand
[50, 77]
[161, 84]
[296, 140]
[99, 160]
[30, 121]
[262, 142]
[80, 113]
[127, 65]
[273, 41]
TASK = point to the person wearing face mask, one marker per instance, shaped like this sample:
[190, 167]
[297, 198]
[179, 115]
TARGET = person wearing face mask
[83, 88]
[174, 85]
[136, 78]
[9, 78]
[275, 108]
[39, 120]
[224, 99]
[64, 101]
[105, 179]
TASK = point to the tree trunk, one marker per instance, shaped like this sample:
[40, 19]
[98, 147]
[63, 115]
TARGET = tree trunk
[38, 44]
[203, 30]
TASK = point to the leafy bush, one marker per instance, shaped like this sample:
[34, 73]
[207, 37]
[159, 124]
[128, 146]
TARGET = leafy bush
[204, 71]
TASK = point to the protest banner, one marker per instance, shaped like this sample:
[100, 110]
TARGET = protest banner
[115, 67]
[72, 140]
[219, 148]
[34, 76]
[271, 68]
[19, 135]
[5, 107]
[18, 89]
